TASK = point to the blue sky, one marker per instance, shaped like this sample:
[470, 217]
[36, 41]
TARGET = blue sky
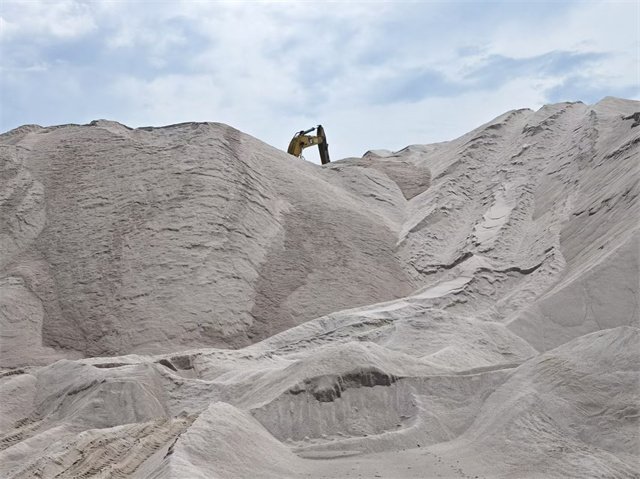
[375, 74]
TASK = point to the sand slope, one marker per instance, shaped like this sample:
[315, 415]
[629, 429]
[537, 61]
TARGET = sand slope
[195, 234]
[188, 301]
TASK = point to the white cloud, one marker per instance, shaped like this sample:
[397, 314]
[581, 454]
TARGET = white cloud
[608, 27]
[36, 67]
[588, 27]
[40, 20]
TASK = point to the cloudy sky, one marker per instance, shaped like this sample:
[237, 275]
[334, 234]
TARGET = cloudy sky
[375, 74]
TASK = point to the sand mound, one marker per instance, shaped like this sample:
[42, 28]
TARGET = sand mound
[194, 234]
[224, 442]
[526, 206]
[576, 406]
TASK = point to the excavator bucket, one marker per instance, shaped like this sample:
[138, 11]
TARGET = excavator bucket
[323, 146]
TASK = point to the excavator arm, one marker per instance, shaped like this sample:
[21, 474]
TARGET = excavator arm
[302, 140]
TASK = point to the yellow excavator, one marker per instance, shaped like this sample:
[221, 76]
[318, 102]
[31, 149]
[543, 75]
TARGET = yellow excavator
[302, 140]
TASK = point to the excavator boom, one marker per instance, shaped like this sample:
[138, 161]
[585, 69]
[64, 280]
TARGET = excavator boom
[302, 140]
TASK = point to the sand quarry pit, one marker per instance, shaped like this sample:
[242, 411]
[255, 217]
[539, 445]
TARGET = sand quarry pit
[190, 302]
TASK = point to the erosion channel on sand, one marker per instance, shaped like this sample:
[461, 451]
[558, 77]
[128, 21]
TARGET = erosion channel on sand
[190, 302]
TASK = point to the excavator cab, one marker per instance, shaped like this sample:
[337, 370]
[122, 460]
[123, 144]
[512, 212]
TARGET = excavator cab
[302, 140]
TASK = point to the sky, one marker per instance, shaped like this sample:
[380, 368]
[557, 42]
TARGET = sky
[375, 74]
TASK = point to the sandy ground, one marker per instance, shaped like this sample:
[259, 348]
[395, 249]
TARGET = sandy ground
[412, 464]
[190, 302]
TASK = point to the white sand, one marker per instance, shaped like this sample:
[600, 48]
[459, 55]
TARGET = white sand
[190, 302]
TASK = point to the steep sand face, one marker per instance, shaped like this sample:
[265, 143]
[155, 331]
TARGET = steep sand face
[190, 235]
[462, 309]
[536, 215]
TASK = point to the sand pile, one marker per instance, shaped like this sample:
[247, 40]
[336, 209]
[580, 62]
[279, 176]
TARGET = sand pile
[149, 240]
[188, 301]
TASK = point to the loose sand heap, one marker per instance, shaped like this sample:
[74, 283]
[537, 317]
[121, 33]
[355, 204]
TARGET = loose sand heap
[189, 302]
